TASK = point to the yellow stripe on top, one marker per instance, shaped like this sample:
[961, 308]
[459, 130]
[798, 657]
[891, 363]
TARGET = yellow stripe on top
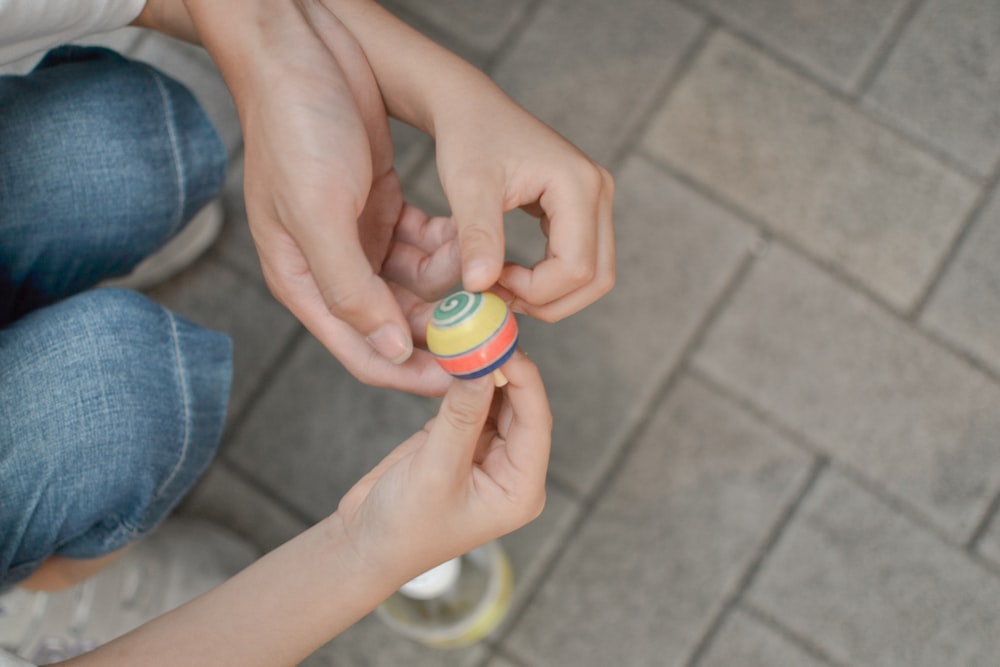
[469, 333]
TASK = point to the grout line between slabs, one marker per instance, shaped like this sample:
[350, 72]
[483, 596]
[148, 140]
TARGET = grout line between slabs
[499, 652]
[251, 480]
[263, 493]
[908, 316]
[239, 419]
[982, 528]
[590, 499]
[849, 100]
[817, 468]
[264, 380]
[788, 635]
[772, 235]
[972, 215]
[899, 506]
[632, 141]
[516, 31]
[888, 44]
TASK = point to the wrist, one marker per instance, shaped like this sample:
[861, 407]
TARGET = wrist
[256, 45]
[229, 30]
[169, 17]
[349, 558]
[420, 80]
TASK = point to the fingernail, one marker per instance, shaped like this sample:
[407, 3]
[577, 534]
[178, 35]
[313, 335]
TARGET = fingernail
[501, 291]
[477, 273]
[392, 343]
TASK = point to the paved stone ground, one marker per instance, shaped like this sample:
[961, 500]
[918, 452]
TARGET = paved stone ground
[792, 455]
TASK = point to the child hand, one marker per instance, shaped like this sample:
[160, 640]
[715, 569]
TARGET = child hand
[519, 162]
[475, 472]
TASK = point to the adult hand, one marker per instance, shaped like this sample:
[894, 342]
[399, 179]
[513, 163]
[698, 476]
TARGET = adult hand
[474, 473]
[337, 244]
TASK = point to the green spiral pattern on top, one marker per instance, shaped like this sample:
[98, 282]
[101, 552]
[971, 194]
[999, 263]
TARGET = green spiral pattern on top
[456, 309]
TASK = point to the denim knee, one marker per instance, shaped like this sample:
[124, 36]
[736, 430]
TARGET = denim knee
[102, 160]
[111, 408]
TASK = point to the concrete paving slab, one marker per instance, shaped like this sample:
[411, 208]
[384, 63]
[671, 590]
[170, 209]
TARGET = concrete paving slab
[744, 641]
[212, 295]
[409, 147]
[862, 386]
[869, 587]
[315, 430]
[228, 499]
[834, 40]
[965, 306]
[667, 543]
[591, 69]
[942, 80]
[812, 169]
[532, 548]
[989, 543]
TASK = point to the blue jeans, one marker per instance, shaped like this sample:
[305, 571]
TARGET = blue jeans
[110, 405]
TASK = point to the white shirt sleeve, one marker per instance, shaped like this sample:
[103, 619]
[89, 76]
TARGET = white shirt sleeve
[31, 26]
[8, 660]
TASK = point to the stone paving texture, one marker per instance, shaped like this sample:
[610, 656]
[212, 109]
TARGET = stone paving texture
[778, 440]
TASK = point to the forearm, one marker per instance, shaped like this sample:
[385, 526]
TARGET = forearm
[262, 48]
[276, 612]
[241, 35]
[169, 17]
[420, 80]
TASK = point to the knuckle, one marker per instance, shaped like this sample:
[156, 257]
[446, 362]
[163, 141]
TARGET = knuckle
[474, 185]
[592, 176]
[345, 298]
[365, 370]
[463, 415]
[340, 300]
[580, 272]
[477, 235]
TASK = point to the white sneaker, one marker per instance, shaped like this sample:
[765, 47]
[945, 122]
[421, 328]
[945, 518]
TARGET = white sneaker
[178, 253]
[181, 560]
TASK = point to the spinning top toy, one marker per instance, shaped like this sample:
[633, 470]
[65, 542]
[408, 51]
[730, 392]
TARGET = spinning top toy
[472, 334]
